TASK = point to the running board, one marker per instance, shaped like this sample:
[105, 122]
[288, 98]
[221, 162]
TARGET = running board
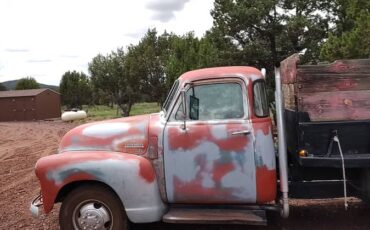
[215, 216]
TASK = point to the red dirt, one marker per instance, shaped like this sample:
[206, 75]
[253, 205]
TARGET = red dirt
[22, 143]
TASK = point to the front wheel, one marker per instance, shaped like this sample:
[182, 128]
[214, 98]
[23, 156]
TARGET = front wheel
[92, 207]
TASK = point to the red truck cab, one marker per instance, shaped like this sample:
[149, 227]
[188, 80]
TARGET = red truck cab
[210, 150]
[222, 152]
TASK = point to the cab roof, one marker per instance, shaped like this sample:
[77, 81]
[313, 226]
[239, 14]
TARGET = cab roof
[246, 72]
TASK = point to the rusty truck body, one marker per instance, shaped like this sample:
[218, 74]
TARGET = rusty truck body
[207, 157]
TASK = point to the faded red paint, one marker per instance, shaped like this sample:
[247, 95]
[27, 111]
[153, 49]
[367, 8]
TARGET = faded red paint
[60, 160]
[186, 140]
[339, 67]
[265, 184]
[203, 132]
[219, 72]
[262, 124]
[139, 141]
[198, 133]
[220, 170]
[155, 133]
[50, 188]
[76, 140]
[146, 170]
[346, 84]
[195, 192]
[207, 185]
[265, 178]
[288, 69]
[346, 105]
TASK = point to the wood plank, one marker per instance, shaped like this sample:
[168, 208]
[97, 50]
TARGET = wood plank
[310, 83]
[288, 69]
[340, 66]
[289, 96]
[336, 106]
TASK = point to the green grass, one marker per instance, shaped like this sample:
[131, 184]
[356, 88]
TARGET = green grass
[144, 108]
[102, 112]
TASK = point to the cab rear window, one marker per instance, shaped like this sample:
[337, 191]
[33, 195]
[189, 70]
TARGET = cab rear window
[261, 108]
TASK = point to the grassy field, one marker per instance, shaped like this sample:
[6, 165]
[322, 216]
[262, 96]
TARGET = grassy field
[102, 112]
[144, 108]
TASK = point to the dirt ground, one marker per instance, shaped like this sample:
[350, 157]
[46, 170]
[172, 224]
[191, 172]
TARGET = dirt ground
[22, 143]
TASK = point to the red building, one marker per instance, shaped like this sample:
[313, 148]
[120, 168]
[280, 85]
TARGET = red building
[28, 105]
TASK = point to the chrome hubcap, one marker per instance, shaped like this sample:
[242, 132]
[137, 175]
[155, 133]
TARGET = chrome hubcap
[92, 215]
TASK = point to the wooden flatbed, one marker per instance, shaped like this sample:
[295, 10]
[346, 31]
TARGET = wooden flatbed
[322, 102]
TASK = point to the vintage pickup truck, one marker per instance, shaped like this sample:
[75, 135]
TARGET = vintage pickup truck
[207, 157]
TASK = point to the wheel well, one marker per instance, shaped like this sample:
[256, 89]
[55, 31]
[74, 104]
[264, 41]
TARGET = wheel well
[63, 192]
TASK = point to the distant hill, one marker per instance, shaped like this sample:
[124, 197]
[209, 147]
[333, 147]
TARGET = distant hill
[10, 85]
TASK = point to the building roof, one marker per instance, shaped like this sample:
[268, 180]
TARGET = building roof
[23, 93]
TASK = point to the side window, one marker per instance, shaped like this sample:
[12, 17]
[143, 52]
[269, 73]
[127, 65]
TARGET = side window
[214, 101]
[170, 96]
[260, 99]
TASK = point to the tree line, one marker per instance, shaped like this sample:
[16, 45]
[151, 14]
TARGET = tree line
[142, 72]
[251, 32]
[23, 83]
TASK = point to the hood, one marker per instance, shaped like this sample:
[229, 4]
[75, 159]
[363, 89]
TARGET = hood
[127, 135]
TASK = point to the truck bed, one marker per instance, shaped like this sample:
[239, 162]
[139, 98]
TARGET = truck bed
[324, 100]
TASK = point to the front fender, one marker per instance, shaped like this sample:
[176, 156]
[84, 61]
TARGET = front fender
[131, 177]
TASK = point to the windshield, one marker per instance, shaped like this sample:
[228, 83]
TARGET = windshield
[170, 96]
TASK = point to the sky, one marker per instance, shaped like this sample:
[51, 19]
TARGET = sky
[45, 38]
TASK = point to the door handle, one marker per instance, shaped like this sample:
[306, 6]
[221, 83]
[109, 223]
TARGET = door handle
[242, 132]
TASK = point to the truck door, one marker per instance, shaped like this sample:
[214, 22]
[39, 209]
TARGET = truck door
[212, 161]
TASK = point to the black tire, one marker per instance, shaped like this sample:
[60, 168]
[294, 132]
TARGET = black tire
[92, 206]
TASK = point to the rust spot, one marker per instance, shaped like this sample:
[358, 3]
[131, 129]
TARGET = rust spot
[153, 147]
[347, 102]
[339, 66]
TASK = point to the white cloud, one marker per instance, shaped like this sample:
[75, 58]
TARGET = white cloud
[19, 50]
[165, 10]
[44, 39]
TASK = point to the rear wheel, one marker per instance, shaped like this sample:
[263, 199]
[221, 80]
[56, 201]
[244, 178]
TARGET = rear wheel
[92, 207]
